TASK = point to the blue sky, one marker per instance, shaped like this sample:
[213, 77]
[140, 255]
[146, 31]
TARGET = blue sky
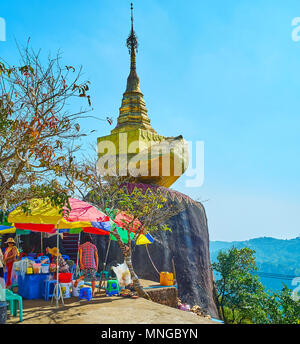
[223, 72]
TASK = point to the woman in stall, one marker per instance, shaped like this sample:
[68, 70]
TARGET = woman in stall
[62, 264]
[10, 256]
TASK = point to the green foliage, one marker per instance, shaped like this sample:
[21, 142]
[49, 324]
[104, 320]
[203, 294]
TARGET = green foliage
[238, 288]
[243, 298]
[281, 308]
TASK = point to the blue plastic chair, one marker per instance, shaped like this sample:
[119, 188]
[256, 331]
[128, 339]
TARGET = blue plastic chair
[85, 293]
[49, 289]
[65, 257]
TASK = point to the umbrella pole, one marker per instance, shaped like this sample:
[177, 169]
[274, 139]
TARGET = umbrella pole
[57, 286]
[104, 264]
[57, 267]
[78, 244]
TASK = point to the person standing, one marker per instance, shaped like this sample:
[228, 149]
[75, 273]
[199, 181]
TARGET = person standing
[1, 264]
[88, 260]
[10, 256]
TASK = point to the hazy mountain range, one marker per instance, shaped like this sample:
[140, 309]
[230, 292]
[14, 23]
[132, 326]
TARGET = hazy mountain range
[278, 260]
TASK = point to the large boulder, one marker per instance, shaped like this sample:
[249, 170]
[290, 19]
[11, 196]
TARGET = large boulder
[187, 244]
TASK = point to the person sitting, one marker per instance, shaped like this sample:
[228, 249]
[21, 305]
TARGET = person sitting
[47, 260]
[62, 264]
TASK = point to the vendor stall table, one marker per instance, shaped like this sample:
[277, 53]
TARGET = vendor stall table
[32, 286]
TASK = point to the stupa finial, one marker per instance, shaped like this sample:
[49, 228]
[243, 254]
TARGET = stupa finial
[132, 42]
[132, 45]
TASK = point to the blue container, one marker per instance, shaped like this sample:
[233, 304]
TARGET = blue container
[3, 312]
[31, 286]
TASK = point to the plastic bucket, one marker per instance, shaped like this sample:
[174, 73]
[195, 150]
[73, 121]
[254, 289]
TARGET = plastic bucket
[45, 268]
[65, 277]
[3, 312]
[65, 288]
[75, 291]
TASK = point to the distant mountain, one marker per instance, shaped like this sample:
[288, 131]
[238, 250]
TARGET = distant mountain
[278, 260]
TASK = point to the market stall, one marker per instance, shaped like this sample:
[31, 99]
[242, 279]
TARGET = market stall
[45, 218]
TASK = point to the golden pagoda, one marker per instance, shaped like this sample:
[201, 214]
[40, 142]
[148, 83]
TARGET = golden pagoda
[134, 148]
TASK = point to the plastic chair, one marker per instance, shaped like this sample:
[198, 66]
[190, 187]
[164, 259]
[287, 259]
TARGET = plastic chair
[13, 299]
[65, 257]
[48, 292]
[28, 257]
[12, 286]
[85, 293]
[112, 287]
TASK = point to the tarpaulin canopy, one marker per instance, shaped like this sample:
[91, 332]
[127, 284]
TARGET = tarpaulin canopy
[46, 218]
[125, 221]
[121, 221]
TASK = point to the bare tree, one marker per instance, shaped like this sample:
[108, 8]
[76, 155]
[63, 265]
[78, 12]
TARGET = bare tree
[37, 127]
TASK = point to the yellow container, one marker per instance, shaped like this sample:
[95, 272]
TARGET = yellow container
[166, 278]
[29, 271]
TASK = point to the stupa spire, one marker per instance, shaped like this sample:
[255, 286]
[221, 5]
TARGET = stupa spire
[133, 82]
[133, 112]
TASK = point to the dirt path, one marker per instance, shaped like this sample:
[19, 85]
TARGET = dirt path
[105, 310]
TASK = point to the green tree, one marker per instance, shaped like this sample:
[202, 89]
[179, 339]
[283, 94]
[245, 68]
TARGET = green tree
[240, 292]
[242, 297]
[281, 307]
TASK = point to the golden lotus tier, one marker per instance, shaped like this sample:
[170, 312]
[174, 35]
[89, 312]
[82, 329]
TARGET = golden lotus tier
[134, 148]
[143, 155]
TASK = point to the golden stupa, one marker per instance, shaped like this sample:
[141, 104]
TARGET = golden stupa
[134, 148]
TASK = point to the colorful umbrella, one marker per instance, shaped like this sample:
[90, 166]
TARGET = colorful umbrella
[6, 228]
[44, 217]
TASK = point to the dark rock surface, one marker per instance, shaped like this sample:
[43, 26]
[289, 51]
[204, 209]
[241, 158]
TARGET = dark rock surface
[188, 244]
